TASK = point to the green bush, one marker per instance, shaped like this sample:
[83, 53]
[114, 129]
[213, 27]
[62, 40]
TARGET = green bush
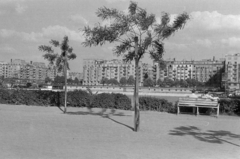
[156, 104]
[103, 100]
[111, 101]
[122, 102]
[4, 96]
[78, 98]
[229, 106]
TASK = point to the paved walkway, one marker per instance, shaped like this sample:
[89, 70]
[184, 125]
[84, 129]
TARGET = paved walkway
[28, 132]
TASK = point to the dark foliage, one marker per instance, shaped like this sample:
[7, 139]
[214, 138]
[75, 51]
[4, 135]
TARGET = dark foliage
[103, 100]
[122, 102]
[156, 104]
[80, 98]
[230, 106]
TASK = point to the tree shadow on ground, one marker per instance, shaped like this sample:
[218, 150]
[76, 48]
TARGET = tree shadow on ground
[104, 114]
[209, 136]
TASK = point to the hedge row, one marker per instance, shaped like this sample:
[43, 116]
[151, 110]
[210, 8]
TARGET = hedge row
[80, 98]
[76, 98]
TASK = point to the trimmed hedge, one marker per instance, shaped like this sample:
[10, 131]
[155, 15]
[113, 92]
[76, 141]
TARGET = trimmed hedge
[77, 98]
[80, 98]
[230, 106]
[156, 104]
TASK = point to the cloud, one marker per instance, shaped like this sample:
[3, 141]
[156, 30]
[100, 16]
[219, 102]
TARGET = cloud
[60, 31]
[7, 33]
[20, 8]
[213, 21]
[8, 49]
[46, 33]
[113, 1]
[18, 5]
[79, 19]
[11, 1]
[12, 33]
[231, 42]
[204, 42]
[2, 12]
[175, 46]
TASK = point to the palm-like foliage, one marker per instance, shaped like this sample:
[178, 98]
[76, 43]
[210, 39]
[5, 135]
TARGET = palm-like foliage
[135, 34]
[59, 60]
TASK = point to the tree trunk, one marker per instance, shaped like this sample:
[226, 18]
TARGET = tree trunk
[65, 90]
[136, 88]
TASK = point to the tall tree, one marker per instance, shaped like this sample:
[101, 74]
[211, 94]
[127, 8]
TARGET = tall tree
[59, 60]
[135, 33]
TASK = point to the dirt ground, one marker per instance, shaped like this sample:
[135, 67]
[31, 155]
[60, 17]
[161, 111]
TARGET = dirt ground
[31, 132]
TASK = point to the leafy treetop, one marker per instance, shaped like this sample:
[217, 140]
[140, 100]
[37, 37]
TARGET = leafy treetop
[138, 25]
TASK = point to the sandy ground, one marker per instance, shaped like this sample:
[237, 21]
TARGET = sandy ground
[30, 132]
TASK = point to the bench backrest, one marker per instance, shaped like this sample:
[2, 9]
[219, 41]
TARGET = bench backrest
[197, 102]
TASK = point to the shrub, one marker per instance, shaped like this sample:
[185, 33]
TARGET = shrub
[4, 96]
[229, 106]
[104, 100]
[122, 102]
[156, 104]
[111, 101]
[78, 98]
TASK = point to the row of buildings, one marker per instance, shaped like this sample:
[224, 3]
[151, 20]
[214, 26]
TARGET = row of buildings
[32, 71]
[224, 72]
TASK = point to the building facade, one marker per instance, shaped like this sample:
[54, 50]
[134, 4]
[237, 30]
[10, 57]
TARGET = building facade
[95, 70]
[27, 72]
[232, 71]
[202, 71]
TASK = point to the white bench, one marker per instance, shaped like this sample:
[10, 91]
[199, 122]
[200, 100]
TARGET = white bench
[196, 103]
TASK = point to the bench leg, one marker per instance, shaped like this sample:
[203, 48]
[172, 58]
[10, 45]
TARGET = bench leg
[194, 110]
[217, 111]
[197, 111]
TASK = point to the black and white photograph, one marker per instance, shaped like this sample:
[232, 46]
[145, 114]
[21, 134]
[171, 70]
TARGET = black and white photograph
[119, 79]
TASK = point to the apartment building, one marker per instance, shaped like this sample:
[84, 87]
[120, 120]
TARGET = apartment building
[232, 71]
[95, 70]
[32, 72]
[202, 71]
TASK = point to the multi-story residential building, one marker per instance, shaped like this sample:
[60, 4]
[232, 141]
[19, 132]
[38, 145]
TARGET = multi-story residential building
[32, 72]
[202, 71]
[95, 70]
[3, 68]
[92, 74]
[232, 71]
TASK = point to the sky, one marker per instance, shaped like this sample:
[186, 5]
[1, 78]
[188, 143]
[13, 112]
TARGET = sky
[213, 28]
